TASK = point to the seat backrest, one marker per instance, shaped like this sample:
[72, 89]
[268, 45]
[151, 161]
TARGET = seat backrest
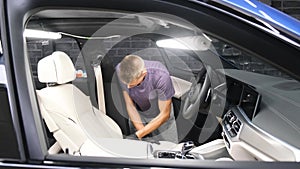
[67, 111]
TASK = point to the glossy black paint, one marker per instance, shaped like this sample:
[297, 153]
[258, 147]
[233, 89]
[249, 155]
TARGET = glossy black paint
[8, 142]
[27, 125]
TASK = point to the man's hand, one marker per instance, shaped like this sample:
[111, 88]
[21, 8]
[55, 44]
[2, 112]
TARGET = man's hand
[132, 137]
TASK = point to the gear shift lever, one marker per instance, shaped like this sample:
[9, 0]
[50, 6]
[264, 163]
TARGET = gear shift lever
[186, 147]
[183, 154]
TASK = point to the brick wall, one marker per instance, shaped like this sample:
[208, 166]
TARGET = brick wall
[129, 46]
[147, 49]
[38, 49]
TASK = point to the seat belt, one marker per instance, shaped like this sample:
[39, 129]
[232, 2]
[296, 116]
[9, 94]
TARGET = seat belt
[99, 83]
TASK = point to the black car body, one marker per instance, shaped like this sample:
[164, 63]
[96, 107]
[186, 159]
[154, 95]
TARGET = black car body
[251, 81]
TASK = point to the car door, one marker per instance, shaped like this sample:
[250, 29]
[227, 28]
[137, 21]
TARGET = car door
[29, 145]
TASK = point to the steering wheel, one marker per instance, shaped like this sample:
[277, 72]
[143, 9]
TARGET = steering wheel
[197, 94]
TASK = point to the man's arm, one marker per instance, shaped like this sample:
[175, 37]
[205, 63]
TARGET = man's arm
[132, 112]
[163, 116]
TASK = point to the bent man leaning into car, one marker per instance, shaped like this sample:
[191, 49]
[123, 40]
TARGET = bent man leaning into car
[148, 91]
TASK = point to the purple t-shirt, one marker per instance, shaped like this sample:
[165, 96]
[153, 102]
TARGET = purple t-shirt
[157, 85]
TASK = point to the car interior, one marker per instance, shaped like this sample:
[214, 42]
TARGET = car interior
[229, 105]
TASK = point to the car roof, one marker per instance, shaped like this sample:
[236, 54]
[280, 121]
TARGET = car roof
[265, 13]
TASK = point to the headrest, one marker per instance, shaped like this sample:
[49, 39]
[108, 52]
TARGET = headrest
[56, 68]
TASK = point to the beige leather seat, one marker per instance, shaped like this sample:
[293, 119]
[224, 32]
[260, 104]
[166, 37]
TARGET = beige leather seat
[77, 126]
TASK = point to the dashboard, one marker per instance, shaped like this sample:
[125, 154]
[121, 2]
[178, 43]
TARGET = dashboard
[246, 127]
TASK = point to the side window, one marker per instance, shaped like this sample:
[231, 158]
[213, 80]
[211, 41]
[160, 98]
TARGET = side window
[181, 60]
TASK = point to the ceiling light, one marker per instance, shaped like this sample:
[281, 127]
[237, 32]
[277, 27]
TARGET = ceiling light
[30, 33]
[186, 43]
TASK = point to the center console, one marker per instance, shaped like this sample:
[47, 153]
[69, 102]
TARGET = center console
[213, 150]
[183, 154]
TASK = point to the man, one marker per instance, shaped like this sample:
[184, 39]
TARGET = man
[148, 90]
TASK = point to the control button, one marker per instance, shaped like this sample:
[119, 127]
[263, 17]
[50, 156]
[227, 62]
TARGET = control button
[225, 122]
[231, 132]
[228, 127]
[239, 122]
[229, 115]
[236, 126]
[232, 119]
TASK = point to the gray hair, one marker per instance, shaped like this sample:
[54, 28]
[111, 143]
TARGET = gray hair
[131, 68]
